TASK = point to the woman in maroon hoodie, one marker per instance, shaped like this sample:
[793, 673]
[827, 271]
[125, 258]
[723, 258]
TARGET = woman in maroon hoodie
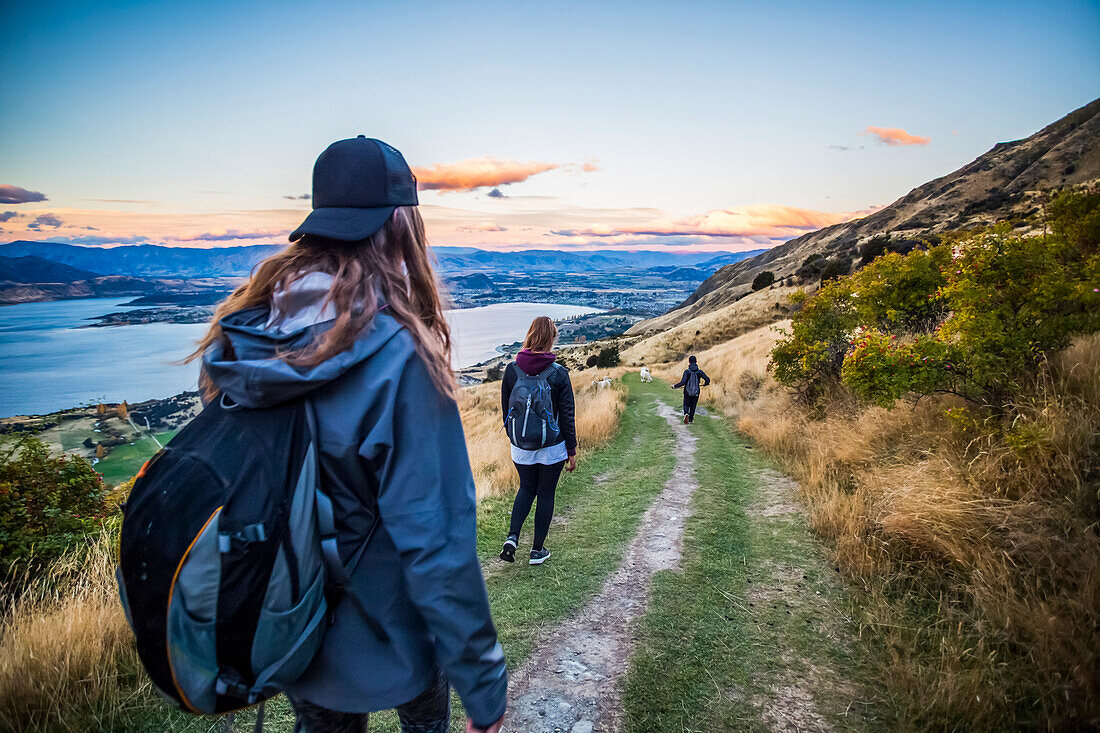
[541, 446]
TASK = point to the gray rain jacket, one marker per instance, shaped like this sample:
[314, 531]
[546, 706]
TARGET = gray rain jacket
[386, 431]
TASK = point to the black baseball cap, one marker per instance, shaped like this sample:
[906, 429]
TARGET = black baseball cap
[357, 183]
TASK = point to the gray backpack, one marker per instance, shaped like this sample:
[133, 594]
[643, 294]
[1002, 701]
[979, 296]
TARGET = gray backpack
[530, 421]
[691, 387]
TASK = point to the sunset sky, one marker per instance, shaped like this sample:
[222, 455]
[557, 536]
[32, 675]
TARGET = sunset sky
[707, 125]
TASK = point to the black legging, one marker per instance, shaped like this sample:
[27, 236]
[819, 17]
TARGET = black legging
[690, 402]
[536, 480]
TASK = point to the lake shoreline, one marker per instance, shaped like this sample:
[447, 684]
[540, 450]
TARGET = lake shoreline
[51, 361]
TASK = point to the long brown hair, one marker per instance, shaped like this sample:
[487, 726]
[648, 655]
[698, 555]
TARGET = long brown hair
[393, 263]
[541, 335]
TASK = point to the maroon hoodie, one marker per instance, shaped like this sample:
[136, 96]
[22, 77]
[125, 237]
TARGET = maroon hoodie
[533, 362]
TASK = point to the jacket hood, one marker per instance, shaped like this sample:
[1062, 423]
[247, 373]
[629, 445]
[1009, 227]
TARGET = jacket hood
[532, 362]
[252, 375]
[693, 367]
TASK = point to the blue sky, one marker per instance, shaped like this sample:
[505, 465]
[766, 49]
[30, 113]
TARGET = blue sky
[706, 124]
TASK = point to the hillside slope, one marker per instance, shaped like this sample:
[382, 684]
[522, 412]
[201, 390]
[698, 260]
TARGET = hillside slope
[1006, 182]
[31, 269]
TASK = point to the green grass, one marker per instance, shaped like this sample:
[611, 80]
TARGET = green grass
[123, 462]
[594, 520]
[712, 647]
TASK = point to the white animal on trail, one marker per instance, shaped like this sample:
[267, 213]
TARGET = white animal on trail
[601, 383]
[646, 376]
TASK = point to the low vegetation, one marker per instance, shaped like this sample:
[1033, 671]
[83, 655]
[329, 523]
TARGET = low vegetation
[67, 659]
[48, 504]
[974, 317]
[959, 495]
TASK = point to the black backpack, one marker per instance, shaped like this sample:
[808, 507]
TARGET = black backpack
[691, 386]
[530, 421]
[229, 566]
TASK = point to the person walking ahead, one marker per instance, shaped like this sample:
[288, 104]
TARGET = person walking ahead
[349, 315]
[690, 383]
[536, 397]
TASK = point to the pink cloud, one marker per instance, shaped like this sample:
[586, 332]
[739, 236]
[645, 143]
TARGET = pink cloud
[231, 235]
[895, 136]
[484, 226]
[474, 173]
[764, 220]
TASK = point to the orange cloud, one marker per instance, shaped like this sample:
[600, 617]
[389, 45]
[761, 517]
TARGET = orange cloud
[895, 136]
[474, 173]
[764, 220]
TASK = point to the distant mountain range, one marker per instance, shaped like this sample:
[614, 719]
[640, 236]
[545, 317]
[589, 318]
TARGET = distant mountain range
[31, 269]
[156, 261]
[146, 260]
[1009, 182]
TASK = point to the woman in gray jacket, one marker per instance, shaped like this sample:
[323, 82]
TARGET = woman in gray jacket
[349, 315]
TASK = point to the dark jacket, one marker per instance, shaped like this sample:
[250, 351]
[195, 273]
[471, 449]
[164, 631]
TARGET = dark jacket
[386, 430]
[705, 380]
[561, 392]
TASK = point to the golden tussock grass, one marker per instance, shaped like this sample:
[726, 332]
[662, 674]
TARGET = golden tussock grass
[67, 659]
[597, 416]
[754, 310]
[974, 543]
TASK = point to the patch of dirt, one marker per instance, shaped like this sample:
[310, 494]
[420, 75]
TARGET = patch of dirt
[776, 495]
[791, 708]
[570, 682]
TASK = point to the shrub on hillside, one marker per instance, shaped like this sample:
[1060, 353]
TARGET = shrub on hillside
[608, 357]
[975, 317]
[873, 248]
[835, 269]
[763, 280]
[48, 503]
[811, 267]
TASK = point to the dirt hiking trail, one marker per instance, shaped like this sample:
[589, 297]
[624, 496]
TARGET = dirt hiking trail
[570, 683]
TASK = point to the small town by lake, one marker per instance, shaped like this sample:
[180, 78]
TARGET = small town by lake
[49, 363]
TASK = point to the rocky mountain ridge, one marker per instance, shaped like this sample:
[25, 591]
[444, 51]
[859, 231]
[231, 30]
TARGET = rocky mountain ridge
[1009, 182]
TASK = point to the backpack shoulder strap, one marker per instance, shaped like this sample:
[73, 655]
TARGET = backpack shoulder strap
[339, 575]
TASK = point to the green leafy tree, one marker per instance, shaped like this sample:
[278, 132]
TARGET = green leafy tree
[48, 503]
[976, 316]
[810, 356]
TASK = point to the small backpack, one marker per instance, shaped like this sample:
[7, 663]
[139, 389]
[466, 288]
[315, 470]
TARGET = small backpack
[229, 568]
[691, 387]
[530, 421]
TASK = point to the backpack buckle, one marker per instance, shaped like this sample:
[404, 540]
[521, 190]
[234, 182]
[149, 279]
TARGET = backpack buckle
[229, 682]
[248, 533]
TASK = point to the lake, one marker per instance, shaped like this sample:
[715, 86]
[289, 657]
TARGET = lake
[47, 363]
